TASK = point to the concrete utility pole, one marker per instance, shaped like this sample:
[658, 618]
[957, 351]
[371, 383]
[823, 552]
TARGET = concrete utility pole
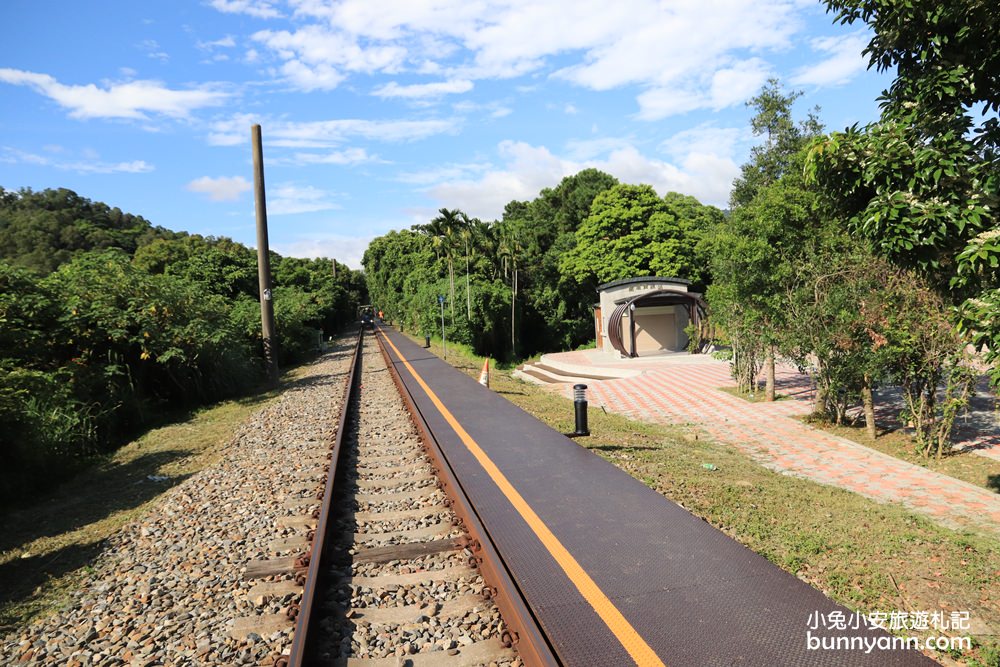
[263, 257]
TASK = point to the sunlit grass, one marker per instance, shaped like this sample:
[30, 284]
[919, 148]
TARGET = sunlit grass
[48, 545]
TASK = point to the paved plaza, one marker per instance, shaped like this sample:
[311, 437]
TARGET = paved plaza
[684, 390]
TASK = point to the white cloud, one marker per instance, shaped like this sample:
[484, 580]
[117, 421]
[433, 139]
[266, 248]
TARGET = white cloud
[735, 84]
[528, 169]
[706, 176]
[423, 90]
[449, 172]
[226, 42]
[309, 78]
[394, 19]
[153, 50]
[223, 188]
[843, 63]
[132, 99]
[495, 109]
[347, 156]
[345, 249]
[705, 138]
[698, 171]
[683, 55]
[731, 85]
[90, 165]
[586, 149]
[256, 8]
[289, 199]
[316, 58]
[662, 102]
[326, 133]
[571, 110]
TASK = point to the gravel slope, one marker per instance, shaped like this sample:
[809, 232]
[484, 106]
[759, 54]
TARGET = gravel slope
[168, 588]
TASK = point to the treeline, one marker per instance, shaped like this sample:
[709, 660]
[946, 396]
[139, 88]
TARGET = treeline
[795, 278]
[107, 321]
[528, 282]
[869, 257]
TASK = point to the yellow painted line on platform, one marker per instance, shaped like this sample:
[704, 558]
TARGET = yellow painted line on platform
[616, 622]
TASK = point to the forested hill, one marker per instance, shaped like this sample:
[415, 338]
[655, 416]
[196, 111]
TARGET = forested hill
[41, 230]
[107, 321]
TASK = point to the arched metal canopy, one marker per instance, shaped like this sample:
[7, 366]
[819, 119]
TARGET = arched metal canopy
[696, 307]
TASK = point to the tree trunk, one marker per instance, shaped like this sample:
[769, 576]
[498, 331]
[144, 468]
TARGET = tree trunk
[451, 273]
[868, 400]
[822, 392]
[513, 300]
[931, 417]
[468, 291]
[769, 374]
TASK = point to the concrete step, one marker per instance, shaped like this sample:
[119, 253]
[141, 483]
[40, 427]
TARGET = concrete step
[575, 373]
[545, 376]
[586, 372]
[525, 376]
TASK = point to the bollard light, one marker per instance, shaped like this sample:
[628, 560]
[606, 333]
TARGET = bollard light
[427, 341]
[580, 409]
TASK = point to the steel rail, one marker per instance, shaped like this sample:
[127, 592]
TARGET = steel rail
[524, 632]
[311, 586]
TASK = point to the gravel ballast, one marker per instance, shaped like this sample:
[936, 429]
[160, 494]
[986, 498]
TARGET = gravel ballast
[169, 587]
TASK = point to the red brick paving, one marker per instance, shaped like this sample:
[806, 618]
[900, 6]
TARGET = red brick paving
[688, 394]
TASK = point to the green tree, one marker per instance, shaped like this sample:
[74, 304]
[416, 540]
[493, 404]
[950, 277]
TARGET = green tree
[394, 263]
[445, 231]
[783, 139]
[511, 254]
[754, 317]
[556, 312]
[630, 232]
[922, 183]
[218, 265]
[861, 321]
[759, 251]
[42, 230]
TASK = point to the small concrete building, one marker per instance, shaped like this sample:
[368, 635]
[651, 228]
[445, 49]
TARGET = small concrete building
[646, 316]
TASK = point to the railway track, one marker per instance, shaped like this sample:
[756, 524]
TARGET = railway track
[394, 575]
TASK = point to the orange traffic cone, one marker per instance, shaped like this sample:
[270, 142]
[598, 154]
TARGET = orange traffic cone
[484, 375]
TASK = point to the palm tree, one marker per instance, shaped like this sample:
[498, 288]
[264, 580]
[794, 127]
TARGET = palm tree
[435, 230]
[486, 237]
[447, 223]
[468, 232]
[510, 252]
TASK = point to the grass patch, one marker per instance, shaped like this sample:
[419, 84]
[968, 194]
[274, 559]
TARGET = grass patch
[756, 397]
[48, 544]
[865, 555]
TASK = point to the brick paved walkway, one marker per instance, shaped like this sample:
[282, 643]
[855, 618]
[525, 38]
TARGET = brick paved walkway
[687, 393]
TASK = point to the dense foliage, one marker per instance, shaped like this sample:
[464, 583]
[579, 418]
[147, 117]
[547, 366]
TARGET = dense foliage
[775, 222]
[107, 321]
[41, 230]
[528, 282]
[922, 184]
[869, 256]
[823, 261]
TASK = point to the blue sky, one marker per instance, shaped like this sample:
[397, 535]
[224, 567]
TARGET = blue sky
[377, 113]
